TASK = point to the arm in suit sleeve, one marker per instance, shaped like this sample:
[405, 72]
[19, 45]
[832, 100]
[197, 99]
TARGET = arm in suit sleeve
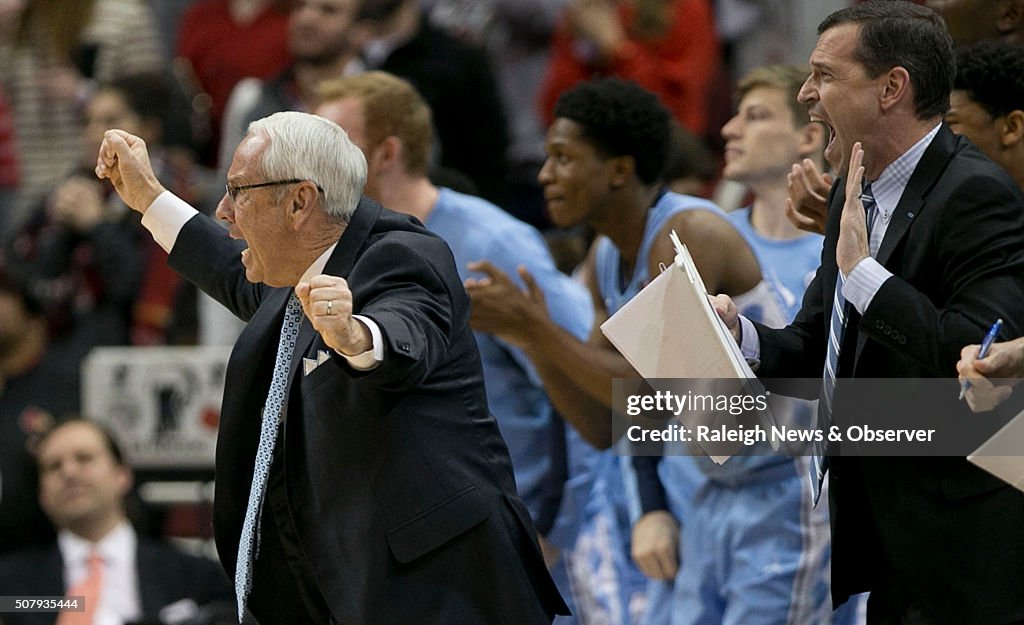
[407, 284]
[206, 256]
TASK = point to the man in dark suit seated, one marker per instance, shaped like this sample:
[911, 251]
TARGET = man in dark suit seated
[123, 577]
[375, 487]
[917, 261]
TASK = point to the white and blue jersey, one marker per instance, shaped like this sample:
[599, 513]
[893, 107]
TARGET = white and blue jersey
[787, 265]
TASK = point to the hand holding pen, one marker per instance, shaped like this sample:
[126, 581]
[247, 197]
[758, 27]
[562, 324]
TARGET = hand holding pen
[986, 344]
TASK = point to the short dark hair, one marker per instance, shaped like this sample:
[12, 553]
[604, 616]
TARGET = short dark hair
[992, 74]
[621, 118]
[901, 33]
[109, 440]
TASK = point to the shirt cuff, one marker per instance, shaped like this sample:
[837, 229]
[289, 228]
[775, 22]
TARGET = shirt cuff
[372, 357]
[165, 218]
[750, 344]
[863, 282]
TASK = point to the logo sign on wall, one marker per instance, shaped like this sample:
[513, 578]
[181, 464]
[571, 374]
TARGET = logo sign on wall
[162, 402]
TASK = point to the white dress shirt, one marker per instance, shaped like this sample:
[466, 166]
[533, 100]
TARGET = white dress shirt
[119, 598]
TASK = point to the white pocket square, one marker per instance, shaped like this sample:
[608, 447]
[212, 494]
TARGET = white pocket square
[309, 364]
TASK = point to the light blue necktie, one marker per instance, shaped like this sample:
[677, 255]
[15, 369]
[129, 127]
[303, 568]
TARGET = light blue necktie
[837, 327]
[265, 452]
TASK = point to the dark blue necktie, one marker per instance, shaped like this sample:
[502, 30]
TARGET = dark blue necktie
[837, 328]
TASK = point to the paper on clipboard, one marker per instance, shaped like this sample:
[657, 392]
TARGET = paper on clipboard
[670, 330]
[1003, 454]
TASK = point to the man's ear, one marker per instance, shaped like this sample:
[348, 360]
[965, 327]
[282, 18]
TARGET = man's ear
[895, 88]
[1012, 132]
[303, 201]
[125, 480]
[387, 155]
[622, 169]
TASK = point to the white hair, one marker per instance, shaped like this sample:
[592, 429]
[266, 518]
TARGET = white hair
[308, 147]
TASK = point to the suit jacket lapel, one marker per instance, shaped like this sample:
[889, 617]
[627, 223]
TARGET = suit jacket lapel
[339, 264]
[353, 238]
[912, 202]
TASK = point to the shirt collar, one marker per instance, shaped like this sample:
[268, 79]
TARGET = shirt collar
[318, 265]
[117, 547]
[889, 186]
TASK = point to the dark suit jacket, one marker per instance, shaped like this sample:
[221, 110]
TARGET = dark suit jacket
[398, 482]
[949, 534]
[166, 575]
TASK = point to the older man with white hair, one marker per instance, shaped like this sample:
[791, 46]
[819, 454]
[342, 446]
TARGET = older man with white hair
[375, 487]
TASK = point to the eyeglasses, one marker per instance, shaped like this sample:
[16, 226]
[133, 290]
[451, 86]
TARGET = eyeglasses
[233, 190]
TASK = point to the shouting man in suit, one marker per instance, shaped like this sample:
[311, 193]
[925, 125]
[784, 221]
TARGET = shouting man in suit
[375, 487]
[123, 577]
[935, 540]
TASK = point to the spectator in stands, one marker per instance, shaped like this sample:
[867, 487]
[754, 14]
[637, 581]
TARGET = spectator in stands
[454, 78]
[78, 257]
[83, 255]
[123, 577]
[321, 40]
[517, 36]
[164, 308]
[51, 54]
[223, 42]
[667, 46]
